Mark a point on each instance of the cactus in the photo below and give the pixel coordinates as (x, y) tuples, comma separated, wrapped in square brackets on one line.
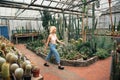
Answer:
[(13, 67), (19, 73), (8, 56), (5, 71), (2, 54), (25, 63), (28, 69), (3, 45), (13, 59), (2, 60)]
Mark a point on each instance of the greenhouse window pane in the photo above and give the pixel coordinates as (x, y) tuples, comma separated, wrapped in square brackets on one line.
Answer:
[(38, 2), (46, 3), (60, 5), (53, 4), (65, 6)]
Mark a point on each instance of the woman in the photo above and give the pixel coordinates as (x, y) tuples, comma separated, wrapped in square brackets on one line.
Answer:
[(52, 41)]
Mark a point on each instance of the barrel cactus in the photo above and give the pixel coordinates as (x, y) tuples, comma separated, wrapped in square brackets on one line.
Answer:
[(28, 69), (8, 56), (13, 58), (19, 73), (13, 67), (3, 45), (25, 63)]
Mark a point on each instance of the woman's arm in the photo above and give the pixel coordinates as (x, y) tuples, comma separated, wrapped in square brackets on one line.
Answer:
[(60, 41)]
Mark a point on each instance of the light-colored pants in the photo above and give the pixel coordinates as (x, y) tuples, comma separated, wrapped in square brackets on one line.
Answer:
[(53, 51)]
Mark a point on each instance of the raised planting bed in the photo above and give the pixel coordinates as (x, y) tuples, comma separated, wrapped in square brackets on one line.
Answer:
[(76, 63)]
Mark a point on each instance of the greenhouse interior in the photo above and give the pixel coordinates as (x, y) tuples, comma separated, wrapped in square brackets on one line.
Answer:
[(59, 39)]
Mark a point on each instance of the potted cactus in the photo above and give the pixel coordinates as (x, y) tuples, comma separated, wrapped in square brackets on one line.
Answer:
[(19, 73), (13, 67), (27, 75)]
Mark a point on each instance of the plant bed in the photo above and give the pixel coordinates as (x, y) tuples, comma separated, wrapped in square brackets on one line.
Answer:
[(65, 62), (75, 63), (78, 53)]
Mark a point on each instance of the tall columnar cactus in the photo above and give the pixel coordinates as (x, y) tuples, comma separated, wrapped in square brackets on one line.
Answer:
[(114, 25), (110, 8), (2, 60), (5, 71)]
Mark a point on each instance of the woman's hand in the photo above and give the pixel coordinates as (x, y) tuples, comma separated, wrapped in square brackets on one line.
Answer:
[(45, 51), (45, 48), (63, 43)]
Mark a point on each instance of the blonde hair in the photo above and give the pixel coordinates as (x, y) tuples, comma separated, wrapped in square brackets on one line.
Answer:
[(52, 28)]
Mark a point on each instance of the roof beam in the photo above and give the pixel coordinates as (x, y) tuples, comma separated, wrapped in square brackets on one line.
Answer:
[(83, 4), (19, 18), (25, 8), (36, 9), (11, 3)]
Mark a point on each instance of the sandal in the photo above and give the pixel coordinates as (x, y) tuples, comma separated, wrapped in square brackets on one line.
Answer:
[(45, 64), (60, 67)]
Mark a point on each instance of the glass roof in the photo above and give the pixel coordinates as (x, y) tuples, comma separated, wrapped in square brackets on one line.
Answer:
[(32, 8)]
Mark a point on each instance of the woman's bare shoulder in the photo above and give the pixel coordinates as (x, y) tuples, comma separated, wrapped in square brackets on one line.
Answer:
[(49, 35)]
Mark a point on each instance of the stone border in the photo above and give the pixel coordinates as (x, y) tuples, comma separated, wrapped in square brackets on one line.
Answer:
[(76, 63)]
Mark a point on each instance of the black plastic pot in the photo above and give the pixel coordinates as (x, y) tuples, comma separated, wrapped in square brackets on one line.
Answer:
[(27, 77)]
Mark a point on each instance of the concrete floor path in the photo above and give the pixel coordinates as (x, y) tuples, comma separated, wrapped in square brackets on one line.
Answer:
[(100, 70)]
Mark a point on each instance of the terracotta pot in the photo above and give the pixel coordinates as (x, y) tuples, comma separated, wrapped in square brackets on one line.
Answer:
[(36, 73)]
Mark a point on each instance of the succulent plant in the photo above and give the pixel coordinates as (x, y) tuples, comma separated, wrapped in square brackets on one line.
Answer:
[(28, 69), (13, 67), (3, 45), (8, 56), (26, 62), (19, 73), (13, 59), (5, 71), (2, 60), (2, 54)]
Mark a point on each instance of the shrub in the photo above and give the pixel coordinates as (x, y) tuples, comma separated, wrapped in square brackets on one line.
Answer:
[(102, 53)]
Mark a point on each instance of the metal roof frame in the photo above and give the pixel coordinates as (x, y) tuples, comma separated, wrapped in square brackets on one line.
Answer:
[(67, 6)]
